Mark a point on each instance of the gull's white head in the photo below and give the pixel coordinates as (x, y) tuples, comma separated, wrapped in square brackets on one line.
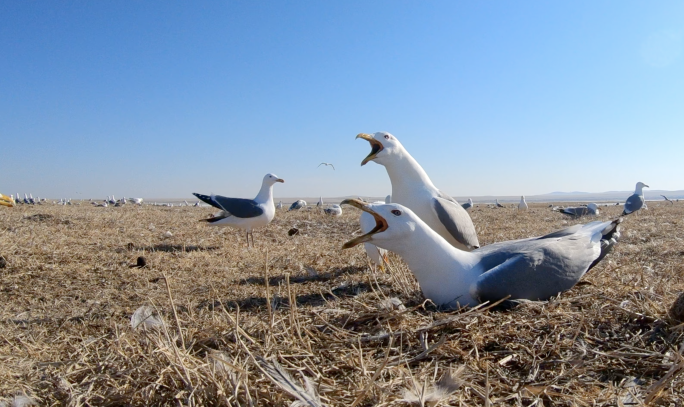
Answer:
[(393, 222), (640, 185), (270, 179), (592, 206), (383, 146)]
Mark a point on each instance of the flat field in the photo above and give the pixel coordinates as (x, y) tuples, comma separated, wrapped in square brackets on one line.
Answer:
[(325, 317)]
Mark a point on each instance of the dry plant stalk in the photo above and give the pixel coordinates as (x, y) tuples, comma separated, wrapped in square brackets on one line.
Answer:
[(67, 297)]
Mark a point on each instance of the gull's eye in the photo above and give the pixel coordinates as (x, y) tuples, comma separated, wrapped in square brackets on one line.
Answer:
[(387, 136), (396, 212)]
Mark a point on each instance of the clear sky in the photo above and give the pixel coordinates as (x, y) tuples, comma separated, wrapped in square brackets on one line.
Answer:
[(161, 99)]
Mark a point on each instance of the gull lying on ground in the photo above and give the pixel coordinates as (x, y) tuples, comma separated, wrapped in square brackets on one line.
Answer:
[(245, 214), (532, 269), (412, 187), (590, 209), (334, 210), (636, 200), (296, 205)]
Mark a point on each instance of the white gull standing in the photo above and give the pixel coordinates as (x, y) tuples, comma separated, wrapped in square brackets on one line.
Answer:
[(522, 206), (468, 204), (532, 269), (412, 187), (636, 200), (245, 214)]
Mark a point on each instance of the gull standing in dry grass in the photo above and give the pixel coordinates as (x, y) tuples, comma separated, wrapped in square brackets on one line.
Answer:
[(522, 206), (468, 204), (636, 200), (412, 187), (243, 213), (532, 269), (498, 205)]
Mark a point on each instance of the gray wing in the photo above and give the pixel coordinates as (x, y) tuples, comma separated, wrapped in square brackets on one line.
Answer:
[(633, 204), (456, 221), (238, 207), (537, 273), (538, 268)]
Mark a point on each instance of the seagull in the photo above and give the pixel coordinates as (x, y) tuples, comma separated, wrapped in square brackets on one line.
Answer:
[(468, 204), (137, 201), (280, 205), (320, 202), (522, 206), (242, 213), (412, 187), (590, 209), (326, 164), (296, 205), (668, 200), (334, 210), (498, 205), (636, 200), (531, 269), (376, 254)]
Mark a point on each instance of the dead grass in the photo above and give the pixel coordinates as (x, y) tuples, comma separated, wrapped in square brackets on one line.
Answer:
[(67, 296)]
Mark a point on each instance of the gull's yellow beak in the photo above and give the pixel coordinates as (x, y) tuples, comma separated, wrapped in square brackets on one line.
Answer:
[(6, 201), (376, 147), (280, 180), (380, 223)]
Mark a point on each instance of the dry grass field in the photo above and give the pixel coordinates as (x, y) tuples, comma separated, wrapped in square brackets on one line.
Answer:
[(233, 319)]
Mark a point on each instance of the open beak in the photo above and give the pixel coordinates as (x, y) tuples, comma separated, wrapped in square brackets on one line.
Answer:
[(380, 223), (376, 147), (280, 180), (6, 200)]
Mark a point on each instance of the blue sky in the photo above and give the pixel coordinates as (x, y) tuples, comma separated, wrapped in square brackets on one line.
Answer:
[(161, 99)]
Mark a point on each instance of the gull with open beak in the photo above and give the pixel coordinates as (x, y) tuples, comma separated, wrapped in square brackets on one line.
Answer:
[(6, 200), (533, 269), (412, 188), (246, 214)]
